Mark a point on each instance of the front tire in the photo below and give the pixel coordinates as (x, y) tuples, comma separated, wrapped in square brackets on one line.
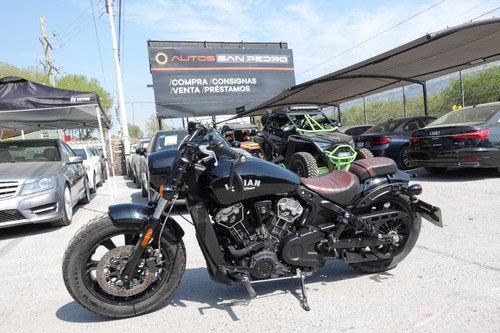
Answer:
[(67, 210), (91, 270), (304, 165), (363, 153), (405, 232)]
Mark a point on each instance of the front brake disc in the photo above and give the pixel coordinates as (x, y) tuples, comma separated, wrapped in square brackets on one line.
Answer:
[(109, 271)]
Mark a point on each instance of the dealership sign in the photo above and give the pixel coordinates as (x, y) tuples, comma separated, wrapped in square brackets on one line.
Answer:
[(204, 78)]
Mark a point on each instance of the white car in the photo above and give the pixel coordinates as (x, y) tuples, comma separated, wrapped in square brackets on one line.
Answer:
[(93, 167)]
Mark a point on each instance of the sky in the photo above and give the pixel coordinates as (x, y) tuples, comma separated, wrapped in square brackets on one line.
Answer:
[(325, 35)]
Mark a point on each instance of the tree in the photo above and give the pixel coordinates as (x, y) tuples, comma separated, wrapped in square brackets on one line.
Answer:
[(135, 131), (151, 125)]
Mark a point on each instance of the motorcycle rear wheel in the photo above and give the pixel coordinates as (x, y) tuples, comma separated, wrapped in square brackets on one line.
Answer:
[(406, 232), (91, 270)]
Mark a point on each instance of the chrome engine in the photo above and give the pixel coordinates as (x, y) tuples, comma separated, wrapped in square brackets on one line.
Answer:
[(252, 234)]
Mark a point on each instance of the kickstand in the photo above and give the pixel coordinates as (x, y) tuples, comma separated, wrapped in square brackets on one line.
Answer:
[(305, 305)]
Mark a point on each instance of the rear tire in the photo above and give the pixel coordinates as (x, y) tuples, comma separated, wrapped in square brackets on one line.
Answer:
[(92, 276), (405, 232), (86, 195), (403, 161), (144, 189), (304, 165)]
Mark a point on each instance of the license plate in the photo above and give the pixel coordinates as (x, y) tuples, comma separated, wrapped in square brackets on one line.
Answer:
[(345, 154), (360, 144)]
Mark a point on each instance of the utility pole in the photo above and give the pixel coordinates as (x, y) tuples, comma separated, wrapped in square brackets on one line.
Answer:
[(121, 99), (46, 50)]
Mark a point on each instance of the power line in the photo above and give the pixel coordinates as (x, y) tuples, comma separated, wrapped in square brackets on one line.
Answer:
[(369, 39), (98, 46)]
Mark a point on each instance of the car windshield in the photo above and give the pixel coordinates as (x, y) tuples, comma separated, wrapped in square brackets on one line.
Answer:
[(28, 151), (80, 152), (469, 115), (387, 127)]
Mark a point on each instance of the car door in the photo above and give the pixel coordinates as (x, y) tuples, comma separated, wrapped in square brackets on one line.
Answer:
[(75, 172)]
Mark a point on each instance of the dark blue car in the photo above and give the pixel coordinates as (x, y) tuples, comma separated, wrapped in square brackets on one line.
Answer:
[(392, 138)]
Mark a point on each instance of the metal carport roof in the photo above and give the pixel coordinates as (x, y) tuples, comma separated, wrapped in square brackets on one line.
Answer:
[(428, 57)]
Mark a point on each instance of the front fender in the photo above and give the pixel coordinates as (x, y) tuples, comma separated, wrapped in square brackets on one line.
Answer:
[(136, 216)]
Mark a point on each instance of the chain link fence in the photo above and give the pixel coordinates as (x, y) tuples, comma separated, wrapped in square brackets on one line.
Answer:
[(476, 85)]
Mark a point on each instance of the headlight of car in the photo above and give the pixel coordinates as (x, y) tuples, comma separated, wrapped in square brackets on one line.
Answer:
[(39, 185), (323, 145)]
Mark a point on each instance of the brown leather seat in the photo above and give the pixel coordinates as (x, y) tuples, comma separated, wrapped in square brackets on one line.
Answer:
[(339, 186), (372, 167)]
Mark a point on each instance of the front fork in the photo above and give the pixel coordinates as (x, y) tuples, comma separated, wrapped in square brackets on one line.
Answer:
[(145, 237)]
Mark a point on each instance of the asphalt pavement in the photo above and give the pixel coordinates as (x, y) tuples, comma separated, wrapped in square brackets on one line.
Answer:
[(450, 282)]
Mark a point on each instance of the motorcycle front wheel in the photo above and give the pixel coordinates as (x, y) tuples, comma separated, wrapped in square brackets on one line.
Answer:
[(93, 262)]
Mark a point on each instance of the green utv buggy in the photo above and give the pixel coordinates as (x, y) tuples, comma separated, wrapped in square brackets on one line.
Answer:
[(306, 141)]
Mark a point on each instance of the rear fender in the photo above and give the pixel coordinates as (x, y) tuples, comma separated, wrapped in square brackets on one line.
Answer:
[(136, 216)]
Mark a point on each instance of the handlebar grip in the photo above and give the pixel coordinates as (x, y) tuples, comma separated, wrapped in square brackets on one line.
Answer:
[(222, 149)]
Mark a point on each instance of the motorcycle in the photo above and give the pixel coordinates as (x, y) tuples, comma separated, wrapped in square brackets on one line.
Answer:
[(254, 220)]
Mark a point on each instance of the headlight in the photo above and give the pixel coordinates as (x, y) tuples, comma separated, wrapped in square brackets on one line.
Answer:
[(323, 145), (39, 185)]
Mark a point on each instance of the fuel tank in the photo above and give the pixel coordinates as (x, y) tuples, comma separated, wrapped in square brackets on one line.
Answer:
[(259, 177)]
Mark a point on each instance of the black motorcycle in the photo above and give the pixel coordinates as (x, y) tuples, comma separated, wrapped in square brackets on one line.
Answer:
[(254, 221)]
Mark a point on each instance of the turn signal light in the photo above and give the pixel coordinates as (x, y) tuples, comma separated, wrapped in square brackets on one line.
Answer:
[(415, 189)]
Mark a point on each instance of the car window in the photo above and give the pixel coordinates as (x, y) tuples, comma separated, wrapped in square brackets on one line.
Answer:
[(470, 115), (28, 151), (80, 152), (386, 127), (413, 125), (168, 140), (67, 152), (143, 144)]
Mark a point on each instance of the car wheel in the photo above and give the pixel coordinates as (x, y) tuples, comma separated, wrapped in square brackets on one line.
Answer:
[(93, 189), (363, 153), (67, 210), (403, 161), (86, 192), (304, 165), (144, 190), (436, 170), (100, 182), (138, 182)]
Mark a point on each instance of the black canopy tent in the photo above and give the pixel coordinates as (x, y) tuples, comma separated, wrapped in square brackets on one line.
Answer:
[(27, 105), (425, 58)]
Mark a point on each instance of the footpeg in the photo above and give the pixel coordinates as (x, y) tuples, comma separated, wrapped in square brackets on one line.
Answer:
[(246, 282)]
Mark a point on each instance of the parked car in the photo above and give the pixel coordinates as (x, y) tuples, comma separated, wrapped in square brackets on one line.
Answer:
[(392, 138), (306, 141), (92, 166), (40, 182), (354, 130), (135, 162), (99, 156), (128, 161), (468, 137), (161, 140)]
